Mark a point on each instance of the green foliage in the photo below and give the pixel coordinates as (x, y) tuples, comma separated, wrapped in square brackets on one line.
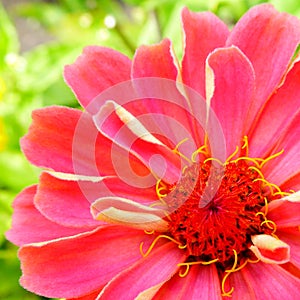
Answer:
[(9, 40), (33, 78), (290, 6)]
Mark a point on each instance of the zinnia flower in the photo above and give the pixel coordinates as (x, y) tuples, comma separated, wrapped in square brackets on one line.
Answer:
[(152, 192)]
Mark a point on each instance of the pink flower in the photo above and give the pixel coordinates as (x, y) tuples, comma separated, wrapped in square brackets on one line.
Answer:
[(151, 194)]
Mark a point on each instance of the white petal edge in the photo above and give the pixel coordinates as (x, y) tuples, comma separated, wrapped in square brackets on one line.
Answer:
[(134, 125), (150, 293), (76, 177)]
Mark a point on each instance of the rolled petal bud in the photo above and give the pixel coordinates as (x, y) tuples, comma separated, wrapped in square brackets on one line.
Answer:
[(269, 249)]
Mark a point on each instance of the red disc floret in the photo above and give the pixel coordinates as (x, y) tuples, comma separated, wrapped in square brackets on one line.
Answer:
[(229, 218)]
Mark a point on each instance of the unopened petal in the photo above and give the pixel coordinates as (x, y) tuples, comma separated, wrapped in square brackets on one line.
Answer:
[(142, 221), (269, 249), (117, 210)]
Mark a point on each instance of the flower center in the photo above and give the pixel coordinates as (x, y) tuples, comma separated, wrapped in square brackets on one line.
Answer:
[(229, 218), (214, 213)]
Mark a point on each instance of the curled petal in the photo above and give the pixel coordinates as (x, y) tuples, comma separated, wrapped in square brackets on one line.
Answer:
[(128, 132), (123, 204), (269, 249), (291, 236), (126, 212), (132, 219)]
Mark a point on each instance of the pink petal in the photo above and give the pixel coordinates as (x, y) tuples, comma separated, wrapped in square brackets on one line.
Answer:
[(269, 249), (242, 287), (29, 226), (267, 38), (116, 210), (123, 204), (201, 282), (292, 238), (149, 293), (271, 282), (155, 61), (286, 165), (277, 115), (48, 142), (165, 104), (64, 202), (203, 32), (285, 212), (138, 220), (128, 132), (230, 88), (97, 69), (82, 264), (55, 140), (68, 201), (122, 211), (146, 273), (292, 183), (90, 296)]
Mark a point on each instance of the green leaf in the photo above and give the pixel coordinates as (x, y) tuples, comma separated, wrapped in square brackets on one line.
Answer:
[(8, 37), (10, 274), (16, 172), (6, 199), (44, 66), (290, 6), (46, 14)]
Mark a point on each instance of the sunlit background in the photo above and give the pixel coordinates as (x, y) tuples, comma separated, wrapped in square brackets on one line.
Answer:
[(37, 38)]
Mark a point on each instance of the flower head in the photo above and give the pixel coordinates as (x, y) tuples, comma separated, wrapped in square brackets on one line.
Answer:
[(179, 179)]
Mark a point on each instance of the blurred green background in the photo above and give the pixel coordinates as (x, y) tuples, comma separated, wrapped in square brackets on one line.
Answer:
[(37, 38)]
